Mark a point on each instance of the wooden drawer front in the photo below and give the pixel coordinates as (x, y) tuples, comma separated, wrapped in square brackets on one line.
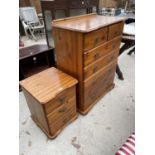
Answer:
[(100, 64), (100, 51), (115, 30), (60, 99), (98, 84), (62, 115), (95, 38)]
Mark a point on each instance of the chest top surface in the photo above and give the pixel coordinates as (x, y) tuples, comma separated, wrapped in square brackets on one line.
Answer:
[(45, 85), (86, 23)]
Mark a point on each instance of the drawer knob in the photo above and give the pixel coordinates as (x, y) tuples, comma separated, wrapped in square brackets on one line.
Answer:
[(94, 69), (116, 32), (113, 45), (96, 56), (62, 110), (96, 41), (62, 100)]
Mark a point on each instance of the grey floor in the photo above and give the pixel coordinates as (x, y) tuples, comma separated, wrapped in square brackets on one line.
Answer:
[(101, 132)]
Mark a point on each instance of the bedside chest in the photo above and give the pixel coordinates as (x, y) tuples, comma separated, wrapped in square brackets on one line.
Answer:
[(87, 48), (51, 98)]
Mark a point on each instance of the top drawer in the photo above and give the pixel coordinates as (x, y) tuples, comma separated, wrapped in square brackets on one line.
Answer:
[(95, 38), (115, 30), (60, 99), (103, 50)]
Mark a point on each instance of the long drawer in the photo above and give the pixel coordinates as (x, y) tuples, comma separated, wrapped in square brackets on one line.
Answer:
[(100, 64), (60, 99), (98, 84), (102, 50), (62, 115), (115, 30), (95, 38)]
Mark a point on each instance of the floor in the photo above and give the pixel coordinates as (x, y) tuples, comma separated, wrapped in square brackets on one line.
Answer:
[(101, 132)]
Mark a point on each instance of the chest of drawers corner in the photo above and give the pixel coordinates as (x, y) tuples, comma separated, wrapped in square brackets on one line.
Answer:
[(87, 48)]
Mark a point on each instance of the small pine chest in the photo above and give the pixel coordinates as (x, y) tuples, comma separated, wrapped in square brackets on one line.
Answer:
[(51, 98)]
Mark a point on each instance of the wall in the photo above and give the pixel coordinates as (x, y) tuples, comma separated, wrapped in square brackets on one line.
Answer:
[(35, 3), (24, 3)]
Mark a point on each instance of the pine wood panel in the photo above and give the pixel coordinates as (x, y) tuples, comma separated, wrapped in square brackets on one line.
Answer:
[(37, 111), (68, 49), (62, 115), (100, 64), (96, 85), (115, 30), (45, 85), (51, 98), (100, 51), (78, 55), (86, 23), (60, 99), (95, 38)]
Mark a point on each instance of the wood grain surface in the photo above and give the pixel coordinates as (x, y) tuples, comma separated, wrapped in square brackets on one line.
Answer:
[(85, 46), (45, 85), (86, 23)]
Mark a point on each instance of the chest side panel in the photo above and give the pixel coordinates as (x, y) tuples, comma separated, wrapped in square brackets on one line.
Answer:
[(69, 52)]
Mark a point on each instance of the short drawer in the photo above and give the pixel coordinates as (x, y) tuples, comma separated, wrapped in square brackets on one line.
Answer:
[(62, 115), (103, 50), (97, 85), (100, 64), (115, 30), (60, 99), (95, 38)]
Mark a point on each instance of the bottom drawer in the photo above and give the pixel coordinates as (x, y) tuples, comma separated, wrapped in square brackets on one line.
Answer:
[(96, 86), (62, 115)]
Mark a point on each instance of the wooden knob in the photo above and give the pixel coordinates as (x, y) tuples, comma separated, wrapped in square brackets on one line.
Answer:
[(62, 110), (94, 69), (116, 32), (96, 56), (62, 100), (96, 41), (113, 45)]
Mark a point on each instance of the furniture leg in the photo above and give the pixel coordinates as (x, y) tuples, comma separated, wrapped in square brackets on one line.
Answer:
[(127, 44), (21, 72), (119, 73), (131, 51)]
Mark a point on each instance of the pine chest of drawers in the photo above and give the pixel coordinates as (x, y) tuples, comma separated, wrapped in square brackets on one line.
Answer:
[(87, 48), (51, 98)]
